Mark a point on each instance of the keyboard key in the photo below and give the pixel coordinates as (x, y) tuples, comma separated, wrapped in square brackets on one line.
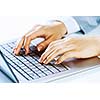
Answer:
[(47, 72), (54, 70)]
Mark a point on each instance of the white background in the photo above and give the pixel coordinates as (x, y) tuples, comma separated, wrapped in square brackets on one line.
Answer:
[(16, 26), (70, 91)]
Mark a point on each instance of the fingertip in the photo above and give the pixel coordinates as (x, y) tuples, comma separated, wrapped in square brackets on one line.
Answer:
[(57, 62), (26, 51), (40, 60), (14, 50), (18, 51), (40, 48)]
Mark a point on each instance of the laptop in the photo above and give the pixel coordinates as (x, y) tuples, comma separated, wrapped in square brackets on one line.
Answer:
[(27, 69)]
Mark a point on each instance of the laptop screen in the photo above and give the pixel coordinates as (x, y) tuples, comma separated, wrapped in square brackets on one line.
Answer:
[(5, 68)]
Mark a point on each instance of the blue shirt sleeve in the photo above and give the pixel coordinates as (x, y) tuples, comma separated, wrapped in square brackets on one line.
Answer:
[(87, 23)]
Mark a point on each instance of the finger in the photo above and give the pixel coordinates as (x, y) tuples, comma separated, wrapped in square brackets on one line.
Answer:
[(51, 53), (20, 43), (42, 46), (65, 56), (47, 52), (19, 46), (51, 57), (44, 55), (27, 43), (31, 37), (56, 53)]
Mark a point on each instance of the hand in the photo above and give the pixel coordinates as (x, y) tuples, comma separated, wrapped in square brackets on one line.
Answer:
[(51, 32), (72, 46)]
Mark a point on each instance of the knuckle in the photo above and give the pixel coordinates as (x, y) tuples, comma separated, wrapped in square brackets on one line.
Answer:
[(58, 50), (18, 46), (37, 25), (23, 37), (43, 55), (52, 45), (60, 59), (53, 42), (49, 57), (28, 37), (44, 44), (72, 39), (63, 56)]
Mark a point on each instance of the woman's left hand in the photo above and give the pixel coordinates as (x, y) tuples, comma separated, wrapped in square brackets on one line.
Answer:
[(72, 46)]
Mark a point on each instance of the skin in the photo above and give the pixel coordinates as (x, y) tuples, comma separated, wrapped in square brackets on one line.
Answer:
[(77, 46), (54, 31), (72, 47)]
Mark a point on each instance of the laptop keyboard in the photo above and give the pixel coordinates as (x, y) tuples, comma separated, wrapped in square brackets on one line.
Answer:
[(29, 66)]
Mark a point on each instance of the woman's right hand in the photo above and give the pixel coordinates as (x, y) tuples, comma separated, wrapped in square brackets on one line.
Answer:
[(51, 32)]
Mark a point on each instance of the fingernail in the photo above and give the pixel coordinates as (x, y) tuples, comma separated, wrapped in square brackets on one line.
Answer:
[(26, 53), (45, 62), (40, 60), (15, 51), (39, 48), (56, 63)]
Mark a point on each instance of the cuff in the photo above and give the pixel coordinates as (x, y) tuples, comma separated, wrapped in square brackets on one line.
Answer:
[(70, 23)]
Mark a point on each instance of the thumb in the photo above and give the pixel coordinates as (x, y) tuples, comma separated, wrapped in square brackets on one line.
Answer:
[(41, 46)]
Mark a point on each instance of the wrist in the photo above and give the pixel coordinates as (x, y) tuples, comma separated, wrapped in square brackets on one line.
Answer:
[(60, 25)]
